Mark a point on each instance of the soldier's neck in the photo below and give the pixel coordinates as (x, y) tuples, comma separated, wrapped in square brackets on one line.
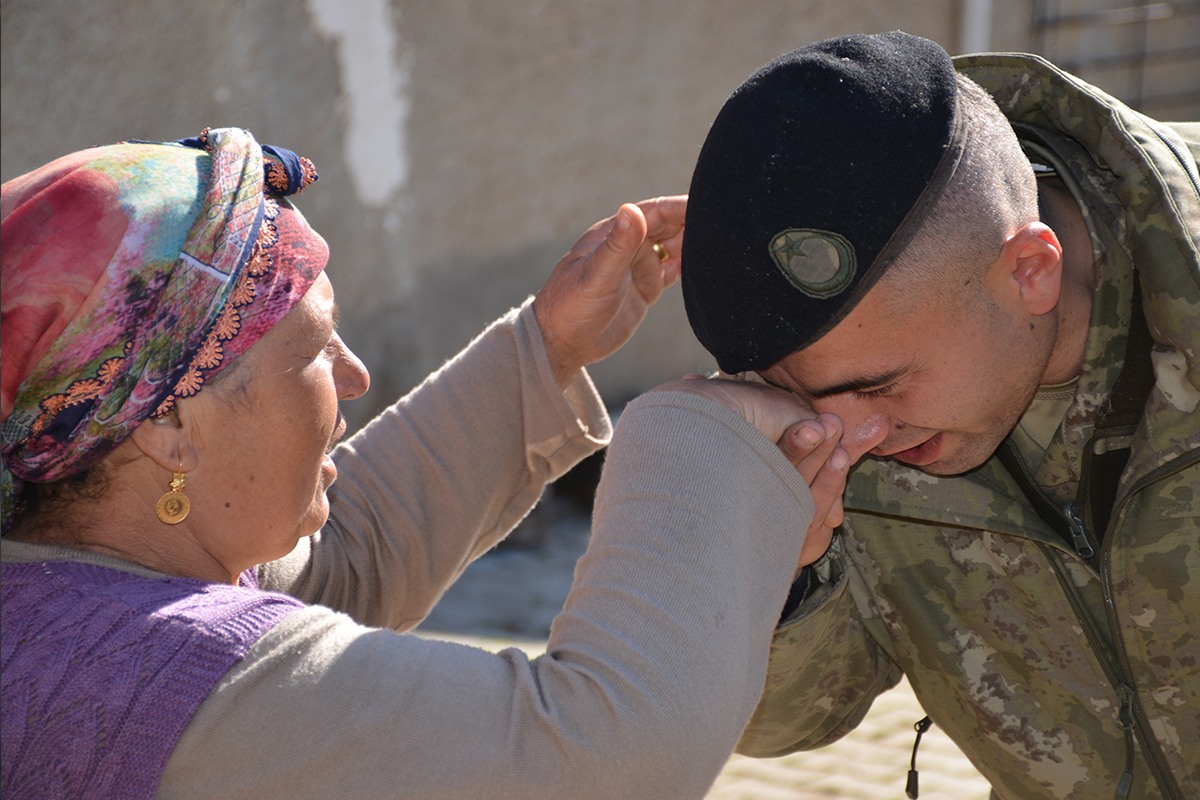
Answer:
[(1080, 275)]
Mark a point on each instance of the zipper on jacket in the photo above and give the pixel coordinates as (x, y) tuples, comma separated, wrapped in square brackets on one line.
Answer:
[(1079, 536), (1065, 521), (1189, 168), (1112, 671), (1154, 754), (1131, 717), (1126, 723), (1115, 671)]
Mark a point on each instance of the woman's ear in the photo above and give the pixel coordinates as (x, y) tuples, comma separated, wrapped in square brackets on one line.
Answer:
[(1030, 268), (165, 442)]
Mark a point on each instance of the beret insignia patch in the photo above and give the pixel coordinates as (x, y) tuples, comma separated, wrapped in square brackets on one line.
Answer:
[(819, 263)]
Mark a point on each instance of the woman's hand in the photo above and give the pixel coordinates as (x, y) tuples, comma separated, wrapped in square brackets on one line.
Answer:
[(600, 291), (809, 440)]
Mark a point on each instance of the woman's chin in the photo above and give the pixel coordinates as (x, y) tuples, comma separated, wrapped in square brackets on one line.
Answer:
[(319, 513)]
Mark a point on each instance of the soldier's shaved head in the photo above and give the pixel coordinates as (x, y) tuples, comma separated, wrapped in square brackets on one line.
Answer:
[(992, 194)]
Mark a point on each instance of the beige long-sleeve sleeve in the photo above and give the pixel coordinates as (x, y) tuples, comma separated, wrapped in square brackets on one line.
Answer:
[(652, 669), (441, 476)]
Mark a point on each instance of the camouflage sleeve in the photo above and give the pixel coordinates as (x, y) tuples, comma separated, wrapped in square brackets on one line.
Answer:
[(825, 667)]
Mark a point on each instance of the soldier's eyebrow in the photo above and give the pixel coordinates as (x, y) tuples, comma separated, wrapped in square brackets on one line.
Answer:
[(859, 384)]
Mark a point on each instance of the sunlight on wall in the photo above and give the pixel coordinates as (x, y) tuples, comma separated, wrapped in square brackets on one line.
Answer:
[(373, 84)]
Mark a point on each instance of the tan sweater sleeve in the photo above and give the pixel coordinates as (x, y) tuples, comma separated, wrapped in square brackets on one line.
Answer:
[(441, 476), (651, 671)]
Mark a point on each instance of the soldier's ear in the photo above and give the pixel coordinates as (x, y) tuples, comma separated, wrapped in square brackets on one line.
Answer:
[(1028, 272)]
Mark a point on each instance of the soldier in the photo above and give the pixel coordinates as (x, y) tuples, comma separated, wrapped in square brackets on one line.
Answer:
[(989, 270)]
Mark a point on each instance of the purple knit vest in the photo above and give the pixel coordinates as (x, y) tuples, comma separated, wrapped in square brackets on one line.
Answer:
[(102, 670)]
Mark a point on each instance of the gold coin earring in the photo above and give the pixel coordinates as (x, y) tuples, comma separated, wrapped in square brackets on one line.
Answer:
[(173, 506)]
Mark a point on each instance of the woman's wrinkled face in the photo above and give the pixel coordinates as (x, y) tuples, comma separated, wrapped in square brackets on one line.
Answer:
[(263, 436)]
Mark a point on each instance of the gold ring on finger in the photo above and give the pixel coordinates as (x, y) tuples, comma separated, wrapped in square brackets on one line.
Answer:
[(660, 250)]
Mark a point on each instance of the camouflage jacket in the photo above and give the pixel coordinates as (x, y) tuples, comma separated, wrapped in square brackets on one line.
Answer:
[(1048, 668)]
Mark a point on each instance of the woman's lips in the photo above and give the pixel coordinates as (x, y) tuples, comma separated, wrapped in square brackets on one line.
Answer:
[(339, 429), (327, 461), (923, 454)]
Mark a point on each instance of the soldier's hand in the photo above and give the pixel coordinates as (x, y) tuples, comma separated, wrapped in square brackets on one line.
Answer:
[(814, 447)]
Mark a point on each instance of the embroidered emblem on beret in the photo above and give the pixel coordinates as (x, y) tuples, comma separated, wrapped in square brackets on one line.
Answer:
[(818, 263)]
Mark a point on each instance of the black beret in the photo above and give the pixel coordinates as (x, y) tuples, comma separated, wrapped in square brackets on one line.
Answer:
[(813, 178)]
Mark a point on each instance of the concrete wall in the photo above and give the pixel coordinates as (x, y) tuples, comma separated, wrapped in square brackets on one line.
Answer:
[(462, 144), (1147, 54)]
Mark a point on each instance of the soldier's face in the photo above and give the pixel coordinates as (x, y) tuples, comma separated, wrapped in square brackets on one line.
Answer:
[(935, 390)]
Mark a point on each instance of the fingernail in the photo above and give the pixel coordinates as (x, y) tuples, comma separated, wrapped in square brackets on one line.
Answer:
[(807, 437), (623, 220), (839, 460)]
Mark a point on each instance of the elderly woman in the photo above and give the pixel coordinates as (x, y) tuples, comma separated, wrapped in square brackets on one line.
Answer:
[(193, 609)]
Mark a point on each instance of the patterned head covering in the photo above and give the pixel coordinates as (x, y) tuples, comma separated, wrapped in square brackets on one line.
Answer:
[(131, 273)]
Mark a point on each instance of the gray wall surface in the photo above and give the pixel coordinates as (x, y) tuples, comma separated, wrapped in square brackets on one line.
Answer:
[(462, 144)]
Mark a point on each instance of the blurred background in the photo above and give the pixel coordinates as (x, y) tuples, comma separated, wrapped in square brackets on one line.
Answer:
[(464, 144)]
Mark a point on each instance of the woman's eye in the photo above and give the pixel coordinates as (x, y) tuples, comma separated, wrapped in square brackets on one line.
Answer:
[(328, 351)]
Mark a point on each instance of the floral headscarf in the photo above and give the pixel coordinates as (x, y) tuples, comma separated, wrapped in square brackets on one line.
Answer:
[(128, 275)]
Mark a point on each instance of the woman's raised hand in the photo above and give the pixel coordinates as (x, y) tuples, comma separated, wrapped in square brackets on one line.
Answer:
[(601, 289)]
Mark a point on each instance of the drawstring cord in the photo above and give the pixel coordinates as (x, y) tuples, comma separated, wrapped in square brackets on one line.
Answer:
[(910, 788), (1124, 722)]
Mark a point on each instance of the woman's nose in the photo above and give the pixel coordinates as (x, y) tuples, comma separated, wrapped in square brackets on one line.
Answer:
[(351, 375)]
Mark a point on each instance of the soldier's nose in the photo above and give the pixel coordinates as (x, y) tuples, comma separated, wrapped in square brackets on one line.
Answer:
[(863, 435)]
